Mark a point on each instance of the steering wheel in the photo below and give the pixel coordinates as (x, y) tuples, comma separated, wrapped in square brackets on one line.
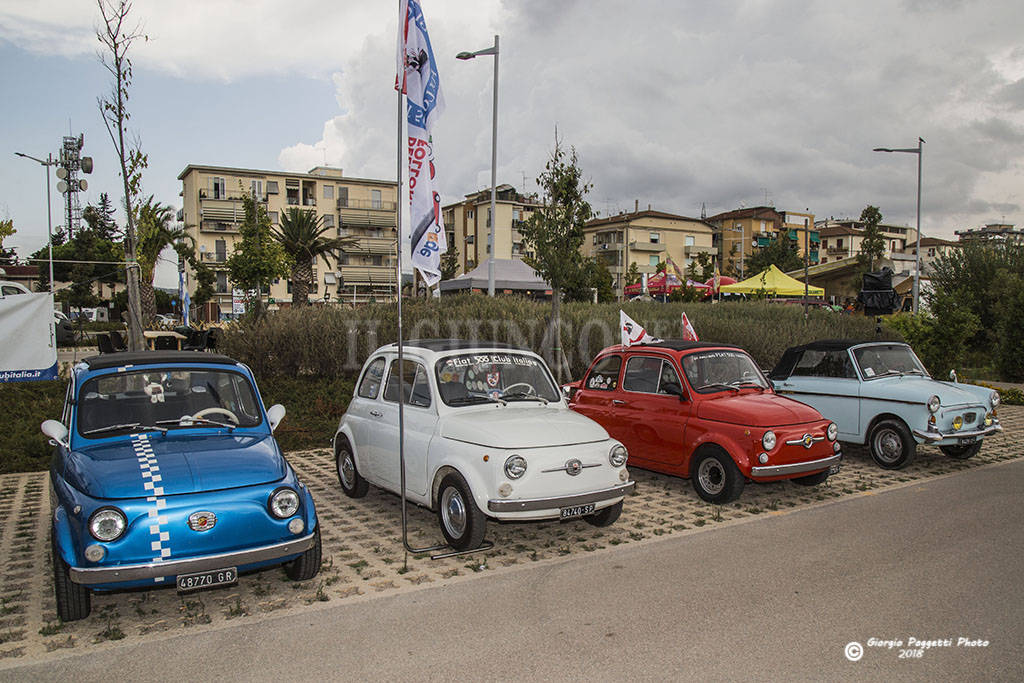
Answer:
[(532, 391), (216, 409)]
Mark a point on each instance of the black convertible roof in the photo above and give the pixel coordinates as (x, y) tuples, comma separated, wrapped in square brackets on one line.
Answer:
[(791, 356), (116, 360), (456, 344)]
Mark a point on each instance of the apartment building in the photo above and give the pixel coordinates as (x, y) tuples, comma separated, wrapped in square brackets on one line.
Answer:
[(645, 238), (741, 232), (352, 207), (993, 232), (841, 239), (468, 225)]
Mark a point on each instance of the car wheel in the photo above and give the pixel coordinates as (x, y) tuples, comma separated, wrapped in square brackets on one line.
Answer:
[(352, 483), (74, 601), (462, 523), (605, 516), (812, 479), (961, 452), (307, 565), (716, 478), (892, 446)]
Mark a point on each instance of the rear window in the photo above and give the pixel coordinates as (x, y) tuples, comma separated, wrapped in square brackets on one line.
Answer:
[(605, 374)]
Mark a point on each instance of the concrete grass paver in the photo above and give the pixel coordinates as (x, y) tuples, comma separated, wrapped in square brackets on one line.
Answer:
[(363, 554)]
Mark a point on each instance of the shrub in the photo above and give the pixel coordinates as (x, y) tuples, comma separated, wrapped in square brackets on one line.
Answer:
[(23, 448)]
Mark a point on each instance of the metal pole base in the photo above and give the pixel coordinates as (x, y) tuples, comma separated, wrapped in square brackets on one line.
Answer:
[(484, 545)]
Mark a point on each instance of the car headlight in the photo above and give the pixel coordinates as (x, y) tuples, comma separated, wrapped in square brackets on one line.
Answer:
[(107, 524), (933, 404), (958, 422), (617, 455), (995, 399), (284, 502), (515, 466), (832, 432), (768, 440)]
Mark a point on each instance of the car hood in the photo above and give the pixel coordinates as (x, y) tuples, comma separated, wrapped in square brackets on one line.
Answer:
[(187, 464), (522, 427), (757, 410), (916, 389)]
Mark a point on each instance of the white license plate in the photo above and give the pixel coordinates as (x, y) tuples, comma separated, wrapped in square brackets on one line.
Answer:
[(833, 469), (967, 441), (576, 511), (199, 580)]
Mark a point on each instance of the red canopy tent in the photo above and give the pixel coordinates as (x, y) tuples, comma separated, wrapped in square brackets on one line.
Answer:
[(662, 283), (722, 280)]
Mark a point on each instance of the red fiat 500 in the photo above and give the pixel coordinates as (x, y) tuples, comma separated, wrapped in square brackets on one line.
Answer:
[(705, 411)]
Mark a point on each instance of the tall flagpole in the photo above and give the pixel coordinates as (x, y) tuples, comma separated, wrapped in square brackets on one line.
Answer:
[(398, 288)]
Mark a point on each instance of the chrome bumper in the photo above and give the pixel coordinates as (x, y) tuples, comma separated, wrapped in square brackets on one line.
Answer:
[(939, 436), (529, 504), (151, 570), (796, 467)]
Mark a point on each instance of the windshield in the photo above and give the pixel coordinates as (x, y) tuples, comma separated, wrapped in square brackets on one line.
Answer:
[(712, 371), (127, 402), (473, 378), (880, 360)]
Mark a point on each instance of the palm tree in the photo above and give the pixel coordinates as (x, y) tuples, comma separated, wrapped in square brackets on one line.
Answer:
[(154, 233), (302, 236)]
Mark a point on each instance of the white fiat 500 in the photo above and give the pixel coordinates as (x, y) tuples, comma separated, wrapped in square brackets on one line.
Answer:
[(487, 434)]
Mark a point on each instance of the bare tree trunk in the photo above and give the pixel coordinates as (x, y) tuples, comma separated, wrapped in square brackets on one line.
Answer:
[(302, 273), (147, 301)]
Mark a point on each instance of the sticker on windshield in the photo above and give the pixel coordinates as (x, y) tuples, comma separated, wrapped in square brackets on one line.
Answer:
[(493, 379), (869, 372)]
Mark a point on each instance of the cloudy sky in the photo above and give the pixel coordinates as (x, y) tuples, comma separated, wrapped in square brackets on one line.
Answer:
[(673, 104)]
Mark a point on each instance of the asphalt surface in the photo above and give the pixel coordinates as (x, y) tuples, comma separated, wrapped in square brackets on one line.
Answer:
[(777, 596)]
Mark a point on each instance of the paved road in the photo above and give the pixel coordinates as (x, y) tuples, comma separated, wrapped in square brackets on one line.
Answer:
[(778, 597)]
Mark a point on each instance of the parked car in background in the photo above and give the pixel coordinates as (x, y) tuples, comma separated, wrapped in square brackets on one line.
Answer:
[(487, 435), (704, 412), (881, 395), (166, 472)]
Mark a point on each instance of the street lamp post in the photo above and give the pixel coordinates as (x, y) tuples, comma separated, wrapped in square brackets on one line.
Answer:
[(919, 151), (494, 158), (50, 161)]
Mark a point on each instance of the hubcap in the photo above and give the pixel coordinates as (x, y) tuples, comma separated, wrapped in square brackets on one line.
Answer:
[(711, 476), (453, 512), (888, 445), (346, 469)]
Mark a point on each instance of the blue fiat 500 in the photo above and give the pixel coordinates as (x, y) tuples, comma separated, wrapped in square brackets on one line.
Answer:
[(165, 471), (880, 394)]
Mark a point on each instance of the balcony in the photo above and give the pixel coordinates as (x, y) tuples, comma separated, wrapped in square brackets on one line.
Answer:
[(367, 275), (366, 204), (837, 250), (652, 247), (214, 257), (368, 218), (371, 245), (694, 249)]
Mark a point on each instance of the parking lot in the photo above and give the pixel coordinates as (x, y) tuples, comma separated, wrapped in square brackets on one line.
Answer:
[(363, 555)]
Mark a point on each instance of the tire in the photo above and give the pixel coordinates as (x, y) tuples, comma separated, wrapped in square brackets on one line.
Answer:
[(307, 565), (605, 516), (462, 522), (352, 483), (74, 601), (892, 447), (961, 452), (812, 479), (715, 477)]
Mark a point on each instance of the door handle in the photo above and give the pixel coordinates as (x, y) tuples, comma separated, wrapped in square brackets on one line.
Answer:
[(376, 413), (617, 402)]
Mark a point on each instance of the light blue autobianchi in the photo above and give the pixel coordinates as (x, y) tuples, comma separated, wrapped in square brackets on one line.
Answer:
[(880, 394), (166, 472)]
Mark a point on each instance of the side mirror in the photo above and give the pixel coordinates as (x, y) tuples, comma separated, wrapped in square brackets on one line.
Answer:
[(56, 431), (952, 376), (274, 415), (568, 391)]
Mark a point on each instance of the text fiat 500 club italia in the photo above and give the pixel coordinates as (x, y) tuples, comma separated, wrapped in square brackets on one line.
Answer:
[(706, 412), (165, 472), (486, 435)]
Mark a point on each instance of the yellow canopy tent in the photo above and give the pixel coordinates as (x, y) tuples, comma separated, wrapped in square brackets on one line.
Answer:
[(773, 282)]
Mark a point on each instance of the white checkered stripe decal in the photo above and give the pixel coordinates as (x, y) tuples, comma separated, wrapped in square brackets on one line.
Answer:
[(151, 479)]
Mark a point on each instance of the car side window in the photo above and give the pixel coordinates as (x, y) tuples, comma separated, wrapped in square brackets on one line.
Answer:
[(369, 387), (668, 376), (642, 374), (825, 364), (415, 386), (605, 374)]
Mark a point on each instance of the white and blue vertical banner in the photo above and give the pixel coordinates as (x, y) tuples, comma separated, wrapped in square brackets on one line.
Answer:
[(183, 297), (418, 79), (28, 347)]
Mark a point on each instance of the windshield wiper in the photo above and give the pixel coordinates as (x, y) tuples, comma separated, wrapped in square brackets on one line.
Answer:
[(718, 384), (748, 384), (523, 396), (467, 400), (134, 426), (190, 421)]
